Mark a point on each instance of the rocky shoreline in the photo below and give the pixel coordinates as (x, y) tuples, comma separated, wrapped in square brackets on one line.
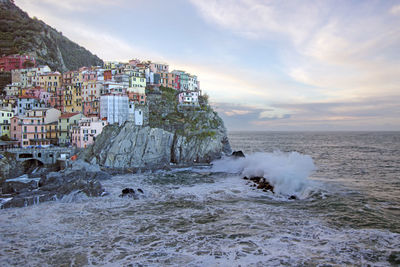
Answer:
[(30, 189)]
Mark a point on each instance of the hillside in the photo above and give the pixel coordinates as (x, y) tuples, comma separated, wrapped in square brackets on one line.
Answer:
[(24, 35)]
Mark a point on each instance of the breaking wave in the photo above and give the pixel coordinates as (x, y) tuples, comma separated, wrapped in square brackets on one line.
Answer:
[(287, 172)]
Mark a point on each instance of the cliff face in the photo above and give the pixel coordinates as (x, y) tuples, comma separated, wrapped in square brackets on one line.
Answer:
[(195, 135), (21, 34)]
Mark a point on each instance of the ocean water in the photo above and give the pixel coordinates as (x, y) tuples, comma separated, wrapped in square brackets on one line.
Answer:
[(347, 211)]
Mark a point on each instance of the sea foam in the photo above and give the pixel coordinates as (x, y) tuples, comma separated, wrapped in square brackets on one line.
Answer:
[(287, 172)]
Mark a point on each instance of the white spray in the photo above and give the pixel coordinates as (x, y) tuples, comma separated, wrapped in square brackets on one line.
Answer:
[(287, 172)]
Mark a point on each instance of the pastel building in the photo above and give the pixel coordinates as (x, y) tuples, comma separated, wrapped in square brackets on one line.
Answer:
[(186, 81), (65, 123), (137, 95), (50, 81), (57, 99), (85, 133), (114, 108), (189, 98), (159, 67), (45, 97), (34, 126), (16, 129), (5, 122), (91, 108), (91, 90), (12, 89), (138, 80), (25, 103)]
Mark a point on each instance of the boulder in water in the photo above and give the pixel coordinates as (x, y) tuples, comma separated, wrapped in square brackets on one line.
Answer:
[(261, 183), (238, 154), (128, 192)]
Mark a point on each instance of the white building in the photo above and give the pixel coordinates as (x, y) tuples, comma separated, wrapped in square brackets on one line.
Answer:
[(189, 98), (12, 89), (138, 117), (114, 108)]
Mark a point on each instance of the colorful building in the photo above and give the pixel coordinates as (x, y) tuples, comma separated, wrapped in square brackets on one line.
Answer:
[(189, 98), (90, 108), (34, 126), (50, 81), (91, 90), (137, 80), (65, 123), (12, 62), (25, 103), (5, 122), (12, 89), (137, 95), (16, 129), (159, 67), (85, 133)]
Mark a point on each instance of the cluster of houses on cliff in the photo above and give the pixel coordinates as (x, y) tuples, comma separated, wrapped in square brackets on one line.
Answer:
[(41, 107)]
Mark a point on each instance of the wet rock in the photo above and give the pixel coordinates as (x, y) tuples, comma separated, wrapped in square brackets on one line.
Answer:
[(293, 197), (264, 184), (256, 179), (19, 185), (260, 183), (394, 258), (81, 177), (238, 154), (128, 192)]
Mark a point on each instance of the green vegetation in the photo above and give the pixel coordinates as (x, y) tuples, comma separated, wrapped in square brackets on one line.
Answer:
[(200, 122)]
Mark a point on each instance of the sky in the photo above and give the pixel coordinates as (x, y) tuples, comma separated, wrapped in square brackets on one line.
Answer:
[(281, 65)]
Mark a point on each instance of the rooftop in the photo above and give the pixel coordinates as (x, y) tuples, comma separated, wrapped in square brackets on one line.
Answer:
[(68, 115)]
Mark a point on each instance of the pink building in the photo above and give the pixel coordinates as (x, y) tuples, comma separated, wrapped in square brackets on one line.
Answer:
[(89, 75), (16, 129), (90, 108), (34, 92), (34, 126), (86, 132), (56, 100)]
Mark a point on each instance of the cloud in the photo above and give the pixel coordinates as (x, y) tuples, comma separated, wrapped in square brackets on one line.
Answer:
[(395, 10), (256, 19), (73, 5)]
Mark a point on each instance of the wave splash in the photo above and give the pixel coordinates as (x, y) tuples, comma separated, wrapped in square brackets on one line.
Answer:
[(287, 172)]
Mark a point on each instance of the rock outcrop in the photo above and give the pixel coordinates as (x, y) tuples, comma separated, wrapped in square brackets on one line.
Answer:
[(178, 135), (134, 147)]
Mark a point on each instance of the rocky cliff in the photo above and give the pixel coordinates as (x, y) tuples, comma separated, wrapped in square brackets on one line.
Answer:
[(20, 34), (179, 136)]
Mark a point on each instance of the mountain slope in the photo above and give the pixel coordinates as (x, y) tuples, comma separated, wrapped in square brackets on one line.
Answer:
[(21, 34)]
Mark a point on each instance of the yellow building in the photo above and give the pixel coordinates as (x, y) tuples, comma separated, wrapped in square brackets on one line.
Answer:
[(50, 81), (77, 82), (5, 122), (137, 80), (68, 98), (52, 132)]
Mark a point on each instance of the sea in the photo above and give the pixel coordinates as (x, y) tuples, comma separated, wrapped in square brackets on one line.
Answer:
[(346, 211)]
